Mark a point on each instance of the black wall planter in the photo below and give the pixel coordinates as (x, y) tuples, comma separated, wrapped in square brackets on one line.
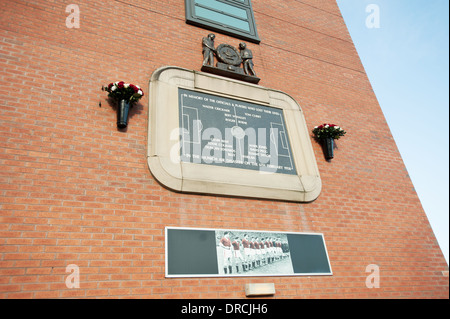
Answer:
[(328, 146), (123, 108)]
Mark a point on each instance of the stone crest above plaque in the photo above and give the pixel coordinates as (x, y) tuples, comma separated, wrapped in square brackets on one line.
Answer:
[(229, 60), (215, 135)]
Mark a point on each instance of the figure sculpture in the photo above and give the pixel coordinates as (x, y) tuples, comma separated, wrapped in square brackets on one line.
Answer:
[(208, 49), (247, 58)]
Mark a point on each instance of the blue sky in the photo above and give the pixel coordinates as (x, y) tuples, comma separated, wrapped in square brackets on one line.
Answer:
[(406, 58)]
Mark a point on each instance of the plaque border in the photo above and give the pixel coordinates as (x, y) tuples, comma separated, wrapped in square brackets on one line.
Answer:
[(163, 151)]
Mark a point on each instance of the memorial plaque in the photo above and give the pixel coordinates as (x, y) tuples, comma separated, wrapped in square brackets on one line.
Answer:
[(195, 252), (221, 131), (210, 134)]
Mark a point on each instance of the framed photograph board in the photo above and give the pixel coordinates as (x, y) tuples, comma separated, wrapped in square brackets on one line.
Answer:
[(199, 252)]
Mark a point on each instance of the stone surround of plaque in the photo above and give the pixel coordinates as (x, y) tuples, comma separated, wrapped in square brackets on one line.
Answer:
[(216, 135)]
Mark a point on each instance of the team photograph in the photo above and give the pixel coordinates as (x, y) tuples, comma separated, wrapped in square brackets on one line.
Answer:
[(247, 253)]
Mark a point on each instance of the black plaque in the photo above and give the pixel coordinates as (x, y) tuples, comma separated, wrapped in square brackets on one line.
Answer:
[(187, 247), (221, 131)]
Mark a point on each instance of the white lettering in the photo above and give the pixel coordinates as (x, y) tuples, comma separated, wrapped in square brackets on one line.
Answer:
[(209, 310), (73, 280), (73, 20), (373, 19), (373, 280)]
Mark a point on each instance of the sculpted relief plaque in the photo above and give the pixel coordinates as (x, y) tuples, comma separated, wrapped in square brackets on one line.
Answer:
[(229, 60), (215, 135)]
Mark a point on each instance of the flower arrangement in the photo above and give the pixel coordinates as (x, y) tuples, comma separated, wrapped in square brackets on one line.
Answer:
[(328, 130), (124, 91)]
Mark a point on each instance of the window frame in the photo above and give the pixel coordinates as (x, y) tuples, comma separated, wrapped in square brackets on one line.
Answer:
[(251, 36)]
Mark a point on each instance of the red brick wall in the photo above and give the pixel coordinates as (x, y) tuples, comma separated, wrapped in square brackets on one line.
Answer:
[(75, 190)]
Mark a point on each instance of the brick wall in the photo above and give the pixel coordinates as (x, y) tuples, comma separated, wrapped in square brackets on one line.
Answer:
[(75, 190)]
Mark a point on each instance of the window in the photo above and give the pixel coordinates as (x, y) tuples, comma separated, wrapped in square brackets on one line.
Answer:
[(232, 17)]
